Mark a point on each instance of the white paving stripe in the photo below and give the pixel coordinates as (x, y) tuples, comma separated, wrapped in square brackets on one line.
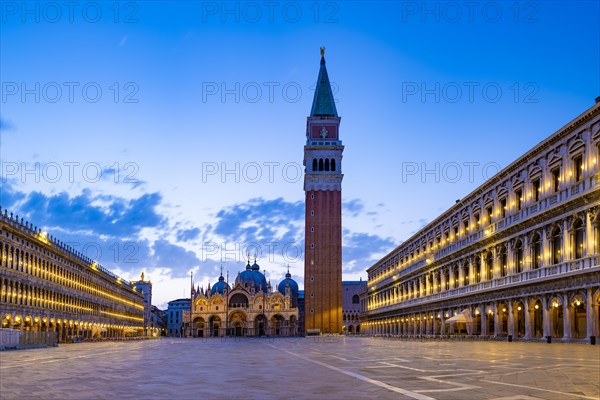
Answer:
[(396, 389)]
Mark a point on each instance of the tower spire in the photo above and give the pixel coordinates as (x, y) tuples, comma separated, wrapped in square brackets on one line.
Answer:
[(323, 101)]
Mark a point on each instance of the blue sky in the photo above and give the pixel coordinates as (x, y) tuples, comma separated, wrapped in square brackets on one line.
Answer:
[(167, 137)]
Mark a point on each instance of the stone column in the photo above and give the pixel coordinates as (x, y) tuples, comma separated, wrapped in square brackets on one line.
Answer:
[(545, 247), (471, 272), (589, 236), (443, 320), (461, 275), (546, 317), (427, 283), (511, 319), (528, 310), (497, 327), (495, 264), (527, 262), (567, 312), (443, 279), (483, 321), (590, 314), (511, 257)]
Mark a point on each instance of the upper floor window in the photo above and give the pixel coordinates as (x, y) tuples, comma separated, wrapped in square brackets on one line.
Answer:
[(519, 199), (503, 207), (578, 165), (556, 179), (536, 189)]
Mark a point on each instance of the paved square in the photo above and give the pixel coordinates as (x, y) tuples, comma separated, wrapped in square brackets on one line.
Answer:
[(316, 368)]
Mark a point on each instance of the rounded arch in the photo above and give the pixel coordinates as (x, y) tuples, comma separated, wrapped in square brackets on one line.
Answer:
[(238, 300), (519, 310), (537, 318)]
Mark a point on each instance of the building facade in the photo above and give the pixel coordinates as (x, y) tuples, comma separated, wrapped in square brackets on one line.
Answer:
[(178, 312), (518, 257), (46, 286), (351, 308), (250, 308), (144, 287), (323, 218)]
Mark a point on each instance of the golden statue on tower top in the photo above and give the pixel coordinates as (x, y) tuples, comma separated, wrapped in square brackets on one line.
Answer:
[(322, 51)]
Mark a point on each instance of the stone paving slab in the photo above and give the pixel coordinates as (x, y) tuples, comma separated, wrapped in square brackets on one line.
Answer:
[(304, 368)]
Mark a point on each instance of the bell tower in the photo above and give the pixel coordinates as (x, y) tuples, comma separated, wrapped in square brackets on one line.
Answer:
[(323, 218)]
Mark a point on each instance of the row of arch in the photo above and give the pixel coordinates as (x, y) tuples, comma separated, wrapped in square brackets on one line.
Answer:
[(238, 324), (554, 244), (566, 316), (351, 329), (327, 164), (67, 328)]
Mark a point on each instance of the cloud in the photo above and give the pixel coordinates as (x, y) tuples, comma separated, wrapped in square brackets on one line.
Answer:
[(353, 207), (259, 219), (187, 235), (120, 218), (360, 250), (6, 126)]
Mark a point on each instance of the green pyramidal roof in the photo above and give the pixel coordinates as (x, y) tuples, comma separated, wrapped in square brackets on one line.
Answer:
[(323, 102)]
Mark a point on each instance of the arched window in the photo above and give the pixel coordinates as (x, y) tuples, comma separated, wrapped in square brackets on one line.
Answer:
[(536, 252), (314, 164), (327, 164), (556, 246), (320, 164), (355, 299), (333, 164), (579, 236), (518, 257), (238, 300)]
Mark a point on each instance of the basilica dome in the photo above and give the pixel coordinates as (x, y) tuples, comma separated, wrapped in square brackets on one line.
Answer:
[(252, 278), (220, 286)]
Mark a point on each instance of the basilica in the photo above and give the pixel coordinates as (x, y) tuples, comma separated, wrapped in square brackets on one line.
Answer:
[(251, 307)]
